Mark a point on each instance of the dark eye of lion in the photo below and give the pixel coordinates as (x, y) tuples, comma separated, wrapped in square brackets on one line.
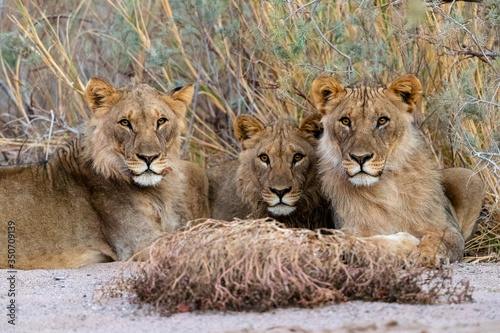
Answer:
[(383, 121), (297, 157), (125, 122), (345, 121), (264, 158), (162, 121)]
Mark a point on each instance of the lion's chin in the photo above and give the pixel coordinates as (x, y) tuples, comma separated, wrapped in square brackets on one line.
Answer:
[(281, 210), (363, 179), (147, 179)]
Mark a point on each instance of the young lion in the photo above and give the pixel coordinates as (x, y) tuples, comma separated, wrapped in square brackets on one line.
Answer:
[(275, 176), (108, 194), (380, 178)]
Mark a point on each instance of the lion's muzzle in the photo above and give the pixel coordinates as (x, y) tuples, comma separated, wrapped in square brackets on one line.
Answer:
[(148, 170), (281, 202), (362, 169)]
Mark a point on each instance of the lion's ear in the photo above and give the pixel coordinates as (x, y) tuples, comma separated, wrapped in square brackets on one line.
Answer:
[(246, 126), (407, 89), (312, 125), (183, 94), (326, 89), (178, 100), (100, 93)]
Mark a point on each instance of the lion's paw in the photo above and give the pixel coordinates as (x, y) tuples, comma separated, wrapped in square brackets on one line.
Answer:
[(427, 257), (407, 242)]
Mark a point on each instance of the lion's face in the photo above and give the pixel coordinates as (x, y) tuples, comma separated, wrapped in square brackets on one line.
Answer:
[(276, 161), (365, 125), (136, 131)]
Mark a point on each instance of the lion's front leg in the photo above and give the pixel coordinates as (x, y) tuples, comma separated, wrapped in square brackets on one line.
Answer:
[(129, 222), (401, 244)]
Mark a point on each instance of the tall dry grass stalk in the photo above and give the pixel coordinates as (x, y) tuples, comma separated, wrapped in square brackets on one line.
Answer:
[(256, 57)]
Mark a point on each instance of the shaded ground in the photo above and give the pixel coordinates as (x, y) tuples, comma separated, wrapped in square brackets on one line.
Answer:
[(64, 301)]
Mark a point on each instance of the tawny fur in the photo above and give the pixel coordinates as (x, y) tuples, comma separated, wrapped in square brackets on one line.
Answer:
[(379, 176), (243, 188), (93, 201)]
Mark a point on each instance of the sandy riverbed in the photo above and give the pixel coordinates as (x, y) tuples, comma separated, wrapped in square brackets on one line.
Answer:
[(64, 301)]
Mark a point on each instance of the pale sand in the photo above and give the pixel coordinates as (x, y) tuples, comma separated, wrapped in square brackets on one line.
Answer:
[(46, 303)]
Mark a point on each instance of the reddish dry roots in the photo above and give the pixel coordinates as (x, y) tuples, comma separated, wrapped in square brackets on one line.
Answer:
[(259, 265)]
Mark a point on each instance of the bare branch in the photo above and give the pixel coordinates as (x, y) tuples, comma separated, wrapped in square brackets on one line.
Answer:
[(472, 36), (480, 55), (450, 1)]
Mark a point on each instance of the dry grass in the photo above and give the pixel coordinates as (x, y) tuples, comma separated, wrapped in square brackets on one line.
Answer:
[(256, 57), (260, 265)]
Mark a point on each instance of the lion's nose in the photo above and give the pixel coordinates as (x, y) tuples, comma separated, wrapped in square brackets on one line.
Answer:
[(361, 159), (280, 193), (148, 158)]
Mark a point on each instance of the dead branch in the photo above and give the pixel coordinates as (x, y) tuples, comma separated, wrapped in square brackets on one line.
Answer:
[(471, 53)]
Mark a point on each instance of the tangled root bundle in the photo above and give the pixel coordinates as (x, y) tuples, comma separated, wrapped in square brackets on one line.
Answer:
[(258, 265)]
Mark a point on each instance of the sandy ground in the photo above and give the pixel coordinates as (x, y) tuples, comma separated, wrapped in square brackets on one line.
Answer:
[(64, 301)]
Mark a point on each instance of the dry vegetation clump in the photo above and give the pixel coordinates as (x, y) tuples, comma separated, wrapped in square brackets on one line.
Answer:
[(259, 265)]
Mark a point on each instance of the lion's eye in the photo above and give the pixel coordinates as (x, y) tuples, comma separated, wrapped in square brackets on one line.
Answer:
[(383, 120), (125, 122), (264, 158), (162, 121), (297, 157), (345, 121)]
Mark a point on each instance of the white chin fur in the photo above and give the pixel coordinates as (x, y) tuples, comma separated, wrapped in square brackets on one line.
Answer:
[(147, 179), (281, 210), (362, 179)]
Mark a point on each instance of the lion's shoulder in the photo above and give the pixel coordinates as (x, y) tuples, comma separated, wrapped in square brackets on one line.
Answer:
[(224, 200), (196, 185)]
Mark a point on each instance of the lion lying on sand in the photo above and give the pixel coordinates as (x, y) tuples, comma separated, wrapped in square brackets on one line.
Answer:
[(110, 193), (380, 178)]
